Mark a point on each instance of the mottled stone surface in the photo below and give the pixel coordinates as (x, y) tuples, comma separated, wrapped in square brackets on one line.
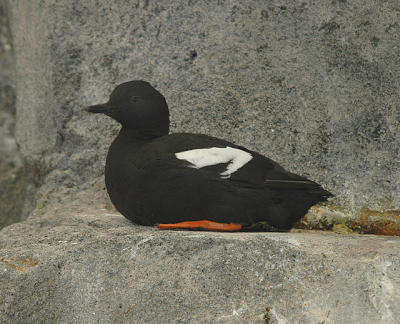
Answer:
[(8, 145), (313, 85), (17, 187), (81, 265)]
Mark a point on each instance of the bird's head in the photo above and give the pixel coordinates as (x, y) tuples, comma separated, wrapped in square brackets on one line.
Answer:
[(137, 105)]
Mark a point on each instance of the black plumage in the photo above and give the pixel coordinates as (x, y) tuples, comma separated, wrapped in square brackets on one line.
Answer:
[(149, 185)]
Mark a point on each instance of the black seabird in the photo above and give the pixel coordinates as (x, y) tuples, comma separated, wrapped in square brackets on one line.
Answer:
[(191, 180)]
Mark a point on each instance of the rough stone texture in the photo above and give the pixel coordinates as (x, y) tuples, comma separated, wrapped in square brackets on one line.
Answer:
[(313, 85), (17, 193), (17, 178), (8, 145), (91, 266)]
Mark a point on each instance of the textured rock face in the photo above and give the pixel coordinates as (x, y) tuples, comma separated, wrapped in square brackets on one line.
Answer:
[(8, 145), (16, 186), (90, 266), (313, 86)]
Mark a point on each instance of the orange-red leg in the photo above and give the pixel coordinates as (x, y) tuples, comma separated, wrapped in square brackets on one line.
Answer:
[(203, 224)]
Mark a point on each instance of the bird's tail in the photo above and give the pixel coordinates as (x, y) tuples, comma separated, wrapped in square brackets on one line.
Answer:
[(307, 185), (293, 199)]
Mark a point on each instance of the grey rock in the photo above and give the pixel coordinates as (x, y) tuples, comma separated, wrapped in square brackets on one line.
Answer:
[(16, 186), (312, 85), (8, 145), (74, 264)]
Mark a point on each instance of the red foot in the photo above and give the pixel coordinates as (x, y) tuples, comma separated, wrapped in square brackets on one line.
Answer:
[(203, 224)]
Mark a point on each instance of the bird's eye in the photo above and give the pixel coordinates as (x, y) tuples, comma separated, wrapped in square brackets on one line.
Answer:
[(133, 99)]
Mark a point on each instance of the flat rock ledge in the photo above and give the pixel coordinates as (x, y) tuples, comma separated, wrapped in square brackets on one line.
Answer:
[(77, 265)]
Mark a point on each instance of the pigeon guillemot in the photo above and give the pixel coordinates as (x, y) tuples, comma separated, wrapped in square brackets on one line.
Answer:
[(193, 181)]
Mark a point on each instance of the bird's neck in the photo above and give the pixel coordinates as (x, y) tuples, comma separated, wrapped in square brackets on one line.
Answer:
[(141, 134)]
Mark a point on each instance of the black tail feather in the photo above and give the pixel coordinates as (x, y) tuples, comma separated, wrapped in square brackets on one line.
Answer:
[(307, 185)]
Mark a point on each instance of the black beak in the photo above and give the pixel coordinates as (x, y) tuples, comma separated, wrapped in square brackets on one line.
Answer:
[(100, 109)]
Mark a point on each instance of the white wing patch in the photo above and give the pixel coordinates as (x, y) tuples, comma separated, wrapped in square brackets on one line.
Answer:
[(200, 158)]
